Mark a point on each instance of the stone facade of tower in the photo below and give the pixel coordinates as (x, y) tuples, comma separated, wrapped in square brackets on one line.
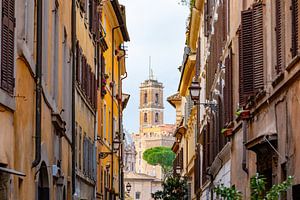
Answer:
[(153, 132), (151, 104)]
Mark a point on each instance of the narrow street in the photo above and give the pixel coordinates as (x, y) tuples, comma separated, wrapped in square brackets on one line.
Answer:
[(149, 100)]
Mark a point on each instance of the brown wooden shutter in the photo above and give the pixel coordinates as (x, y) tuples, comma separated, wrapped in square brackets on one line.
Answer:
[(83, 65), (247, 53), (279, 39), (7, 46), (77, 62), (258, 47), (242, 100), (295, 26), (206, 19), (228, 99)]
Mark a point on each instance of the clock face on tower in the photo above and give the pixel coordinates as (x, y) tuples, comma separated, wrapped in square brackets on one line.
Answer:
[(151, 103)]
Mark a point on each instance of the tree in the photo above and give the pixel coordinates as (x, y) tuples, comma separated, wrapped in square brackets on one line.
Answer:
[(162, 156), (174, 188)]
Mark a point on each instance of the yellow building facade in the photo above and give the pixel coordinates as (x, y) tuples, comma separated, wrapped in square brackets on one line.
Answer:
[(111, 101), (35, 99)]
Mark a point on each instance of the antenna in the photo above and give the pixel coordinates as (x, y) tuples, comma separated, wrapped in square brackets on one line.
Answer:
[(149, 67), (151, 75)]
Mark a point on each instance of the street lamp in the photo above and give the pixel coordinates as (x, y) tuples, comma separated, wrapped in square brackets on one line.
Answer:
[(195, 91), (128, 187), (178, 170), (116, 144)]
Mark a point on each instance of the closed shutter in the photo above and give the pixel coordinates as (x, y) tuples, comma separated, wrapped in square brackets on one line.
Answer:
[(77, 62), (258, 47), (83, 66), (279, 39), (7, 45), (295, 26), (228, 99), (206, 18), (242, 100), (246, 63)]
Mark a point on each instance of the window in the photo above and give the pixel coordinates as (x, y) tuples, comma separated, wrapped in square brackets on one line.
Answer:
[(295, 27), (296, 192), (80, 148), (156, 98), (251, 70), (137, 195), (85, 78), (145, 97), (104, 121), (145, 117), (156, 117), (227, 90), (279, 35), (4, 184), (7, 46), (54, 73)]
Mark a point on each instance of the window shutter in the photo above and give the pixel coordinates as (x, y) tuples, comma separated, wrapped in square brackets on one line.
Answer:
[(7, 45), (295, 27), (278, 30), (206, 19), (247, 54), (242, 100), (77, 62), (258, 47), (83, 66), (228, 101)]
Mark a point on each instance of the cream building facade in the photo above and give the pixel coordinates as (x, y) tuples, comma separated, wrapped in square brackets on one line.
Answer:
[(153, 131)]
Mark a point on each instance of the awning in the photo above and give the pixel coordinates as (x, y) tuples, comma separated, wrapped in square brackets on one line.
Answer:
[(11, 171)]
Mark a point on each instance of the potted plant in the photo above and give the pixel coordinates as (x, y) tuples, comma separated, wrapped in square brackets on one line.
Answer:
[(243, 114), (103, 84), (227, 132)]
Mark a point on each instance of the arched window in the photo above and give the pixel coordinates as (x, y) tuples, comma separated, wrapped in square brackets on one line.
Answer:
[(145, 117), (145, 97), (156, 98), (156, 117)]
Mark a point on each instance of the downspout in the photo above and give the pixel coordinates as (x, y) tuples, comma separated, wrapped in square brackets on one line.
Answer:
[(112, 85), (38, 84), (120, 126), (244, 162), (73, 33)]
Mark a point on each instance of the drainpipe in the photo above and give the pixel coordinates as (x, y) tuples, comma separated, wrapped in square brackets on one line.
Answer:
[(244, 162), (120, 126), (112, 85), (73, 33), (38, 84)]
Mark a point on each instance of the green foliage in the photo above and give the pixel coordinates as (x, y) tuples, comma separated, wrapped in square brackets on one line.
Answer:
[(258, 189), (174, 188), (162, 156), (228, 193)]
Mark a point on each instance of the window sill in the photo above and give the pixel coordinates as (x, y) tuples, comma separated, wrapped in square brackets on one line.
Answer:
[(278, 79), (293, 62), (7, 100)]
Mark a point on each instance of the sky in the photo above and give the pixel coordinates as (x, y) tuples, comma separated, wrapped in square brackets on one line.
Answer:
[(157, 29)]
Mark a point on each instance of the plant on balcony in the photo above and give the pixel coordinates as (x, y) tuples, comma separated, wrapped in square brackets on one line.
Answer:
[(227, 131), (243, 114), (103, 84), (258, 189)]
